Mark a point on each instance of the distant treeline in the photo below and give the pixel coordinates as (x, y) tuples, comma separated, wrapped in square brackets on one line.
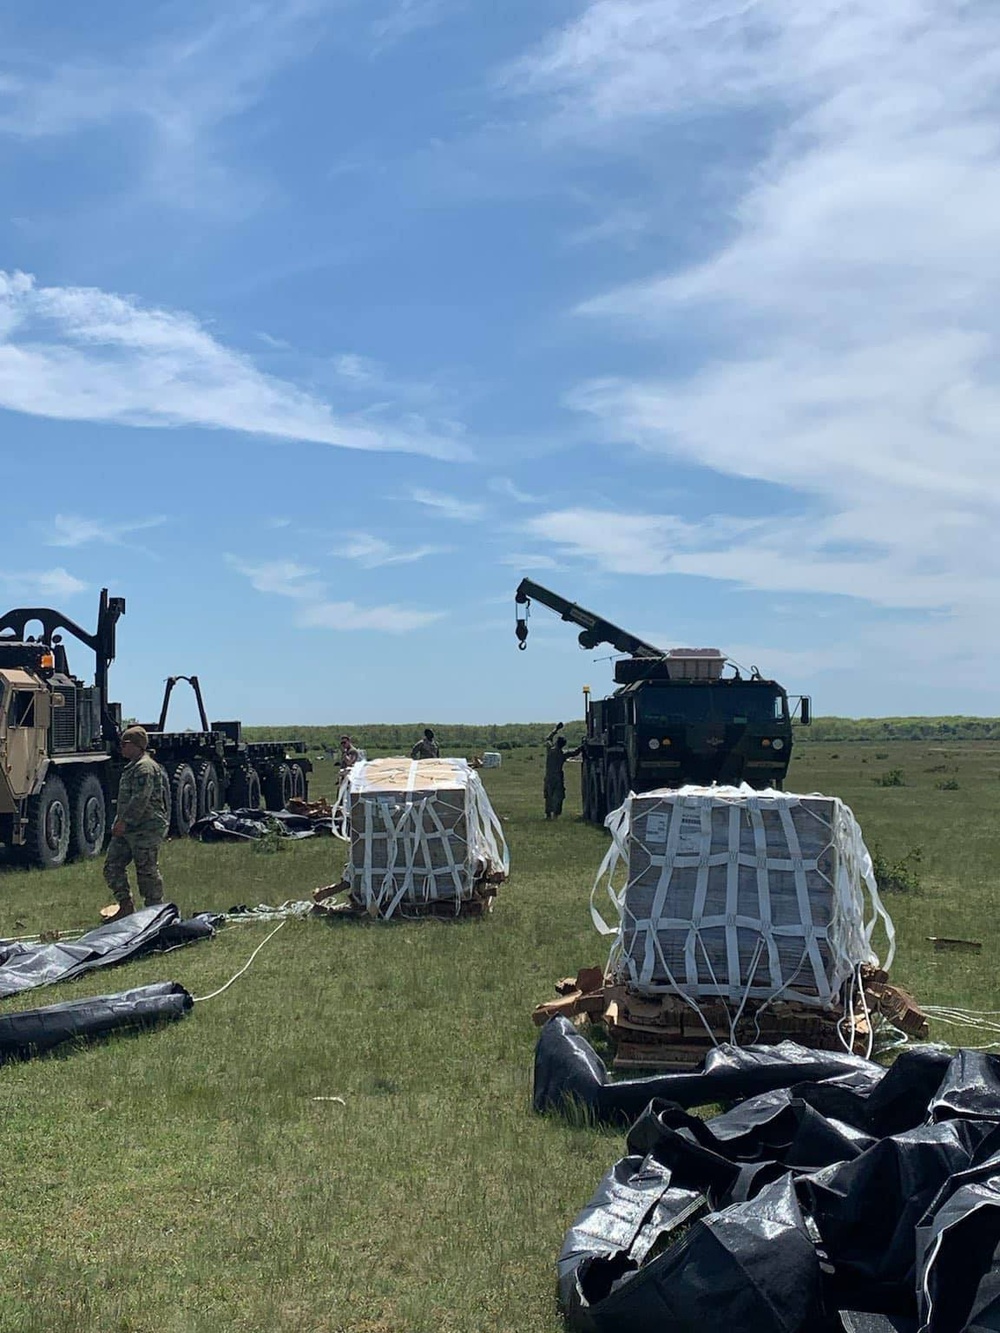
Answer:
[(901, 729), (453, 738), (473, 739)]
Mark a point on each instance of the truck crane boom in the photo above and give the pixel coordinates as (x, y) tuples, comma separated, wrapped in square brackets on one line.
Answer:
[(594, 629)]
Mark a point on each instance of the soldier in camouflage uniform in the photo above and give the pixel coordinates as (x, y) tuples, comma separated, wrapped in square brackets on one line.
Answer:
[(141, 824), (556, 755), (427, 747)]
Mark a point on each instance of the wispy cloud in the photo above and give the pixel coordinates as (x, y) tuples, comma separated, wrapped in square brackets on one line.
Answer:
[(505, 487), (449, 506), (77, 353), (181, 90), (283, 578), (75, 530), (850, 309), (358, 370), (405, 17), (373, 552), (317, 609), (530, 561), (39, 586), (349, 616)]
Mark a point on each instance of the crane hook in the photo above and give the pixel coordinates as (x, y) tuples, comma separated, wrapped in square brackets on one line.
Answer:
[(521, 627)]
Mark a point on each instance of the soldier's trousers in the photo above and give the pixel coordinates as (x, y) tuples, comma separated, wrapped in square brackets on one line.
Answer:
[(555, 794), (142, 849)]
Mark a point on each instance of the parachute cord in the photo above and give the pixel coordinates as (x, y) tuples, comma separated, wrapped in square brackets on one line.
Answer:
[(235, 977)]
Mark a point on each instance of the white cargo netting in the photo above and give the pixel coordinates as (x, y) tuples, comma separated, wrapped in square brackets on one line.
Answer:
[(421, 832), (734, 894)]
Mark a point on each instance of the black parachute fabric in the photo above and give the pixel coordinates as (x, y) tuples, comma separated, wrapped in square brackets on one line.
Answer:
[(569, 1071), (249, 823), (866, 1200), (24, 966), (34, 1031)]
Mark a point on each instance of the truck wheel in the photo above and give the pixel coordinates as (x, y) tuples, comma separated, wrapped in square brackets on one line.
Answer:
[(183, 800), (244, 794), (617, 785), (299, 785), (585, 793), (88, 817), (206, 778), (49, 825), (278, 788)]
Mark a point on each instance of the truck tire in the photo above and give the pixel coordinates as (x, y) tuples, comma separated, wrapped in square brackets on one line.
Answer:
[(183, 799), (244, 791), (49, 825), (595, 795), (617, 784), (585, 793), (278, 787), (88, 817), (206, 779), (300, 785)]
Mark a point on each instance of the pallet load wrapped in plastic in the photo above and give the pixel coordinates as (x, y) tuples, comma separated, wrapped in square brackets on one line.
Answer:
[(738, 908), (424, 838)]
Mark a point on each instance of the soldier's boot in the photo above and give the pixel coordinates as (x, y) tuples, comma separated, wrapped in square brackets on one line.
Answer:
[(123, 907)]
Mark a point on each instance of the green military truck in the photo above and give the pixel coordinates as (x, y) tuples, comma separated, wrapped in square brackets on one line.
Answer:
[(59, 755), (675, 718)]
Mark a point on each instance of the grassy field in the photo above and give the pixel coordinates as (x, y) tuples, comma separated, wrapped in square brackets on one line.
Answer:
[(188, 1179)]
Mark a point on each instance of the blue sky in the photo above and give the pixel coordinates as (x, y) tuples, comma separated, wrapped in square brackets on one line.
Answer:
[(322, 323)]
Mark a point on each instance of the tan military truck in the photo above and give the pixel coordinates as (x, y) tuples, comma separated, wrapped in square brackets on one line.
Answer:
[(59, 755)]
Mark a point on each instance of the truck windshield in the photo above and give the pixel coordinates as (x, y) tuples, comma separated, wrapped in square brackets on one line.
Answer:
[(710, 703)]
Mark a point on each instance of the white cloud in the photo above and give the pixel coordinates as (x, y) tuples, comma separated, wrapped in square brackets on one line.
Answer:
[(284, 578), (373, 552), (849, 309), (505, 487), (39, 586), (405, 17), (532, 561), (449, 506), (316, 610), (77, 353), (349, 616), (358, 370), (74, 530), (180, 90)]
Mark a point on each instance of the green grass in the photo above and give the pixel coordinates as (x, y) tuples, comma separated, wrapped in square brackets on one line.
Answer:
[(186, 1179)]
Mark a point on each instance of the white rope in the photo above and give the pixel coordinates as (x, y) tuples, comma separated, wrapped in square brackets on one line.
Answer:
[(236, 975)]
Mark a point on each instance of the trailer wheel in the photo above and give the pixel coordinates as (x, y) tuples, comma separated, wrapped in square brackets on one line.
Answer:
[(298, 781), (278, 787), (49, 825), (183, 800), (206, 777), (244, 793), (88, 817)]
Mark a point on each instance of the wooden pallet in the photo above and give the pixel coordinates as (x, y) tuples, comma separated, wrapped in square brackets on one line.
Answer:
[(664, 1032)]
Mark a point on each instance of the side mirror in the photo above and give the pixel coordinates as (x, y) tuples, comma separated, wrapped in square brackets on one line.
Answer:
[(805, 710)]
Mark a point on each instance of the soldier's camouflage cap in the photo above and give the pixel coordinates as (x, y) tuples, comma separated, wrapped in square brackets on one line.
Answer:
[(137, 735)]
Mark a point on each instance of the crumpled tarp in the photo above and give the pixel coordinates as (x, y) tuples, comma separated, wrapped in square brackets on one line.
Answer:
[(568, 1071), (865, 1199), (24, 966), (34, 1031), (248, 824)]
